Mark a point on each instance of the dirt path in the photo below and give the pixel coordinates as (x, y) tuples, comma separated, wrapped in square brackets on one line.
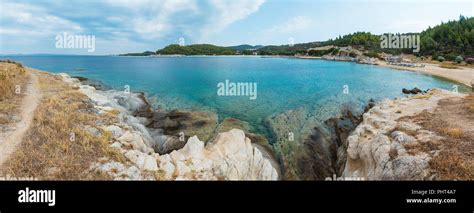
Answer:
[(10, 139)]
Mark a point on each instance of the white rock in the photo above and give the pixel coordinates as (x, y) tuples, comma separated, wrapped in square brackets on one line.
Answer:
[(132, 173), (168, 168), (136, 141), (402, 137), (182, 169), (194, 148), (164, 159), (177, 156), (116, 145), (142, 160), (115, 130), (231, 156)]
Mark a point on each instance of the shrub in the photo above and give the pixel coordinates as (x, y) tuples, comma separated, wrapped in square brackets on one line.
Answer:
[(450, 57), (372, 54), (440, 58), (459, 59)]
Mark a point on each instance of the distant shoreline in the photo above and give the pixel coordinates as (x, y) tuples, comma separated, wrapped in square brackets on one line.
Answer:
[(461, 75)]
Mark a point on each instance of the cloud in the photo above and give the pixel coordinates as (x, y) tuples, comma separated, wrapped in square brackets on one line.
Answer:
[(225, 12), (150, 22), (152, 19), (292, 25), (28, 20), (197, 20)]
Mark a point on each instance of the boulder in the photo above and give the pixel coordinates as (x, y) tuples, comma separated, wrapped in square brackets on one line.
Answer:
[(142, 160), (231, 156), (136, 141), (413, 91), (98, 85)]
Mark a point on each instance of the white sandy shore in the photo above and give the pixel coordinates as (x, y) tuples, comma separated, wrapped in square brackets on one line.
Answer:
[(462, 75)]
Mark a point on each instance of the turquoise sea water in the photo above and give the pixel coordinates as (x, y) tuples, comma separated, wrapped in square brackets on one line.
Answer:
[(282, 83)]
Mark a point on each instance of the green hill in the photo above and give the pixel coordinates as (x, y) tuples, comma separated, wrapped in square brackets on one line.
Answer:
[(449, 39), (243, 47), (146, 53), (195, 49)]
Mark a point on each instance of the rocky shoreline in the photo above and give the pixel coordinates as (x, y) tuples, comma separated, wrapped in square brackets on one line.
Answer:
[(386, 145), (185, 145), (316, 152), (176, 145)]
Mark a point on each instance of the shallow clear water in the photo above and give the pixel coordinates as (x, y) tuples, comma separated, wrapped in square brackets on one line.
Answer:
[(282, 83)]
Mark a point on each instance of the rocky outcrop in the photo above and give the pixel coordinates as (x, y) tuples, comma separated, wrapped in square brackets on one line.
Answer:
[(377, 148), (230, 157), (257, 140), (350, 53), (340, 128), (137, 133), (308, 149), (94, 83), (413, 91)]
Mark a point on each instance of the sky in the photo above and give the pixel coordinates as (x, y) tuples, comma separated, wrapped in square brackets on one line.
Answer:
[(123, 26)]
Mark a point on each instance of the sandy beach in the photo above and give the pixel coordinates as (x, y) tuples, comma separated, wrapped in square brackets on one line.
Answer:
[(461, 74)]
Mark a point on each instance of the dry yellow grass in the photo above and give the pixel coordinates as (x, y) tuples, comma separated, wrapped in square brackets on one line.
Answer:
[(470, 102), (13, 79), (453, 132), (450, 165), (448, 66), (11, 75), (452, 120), (57, 146)]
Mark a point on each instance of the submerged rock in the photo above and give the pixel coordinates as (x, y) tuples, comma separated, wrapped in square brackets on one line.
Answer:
[(301, 145), (180, 125), (413, 91), (308, 149), (98, 85)]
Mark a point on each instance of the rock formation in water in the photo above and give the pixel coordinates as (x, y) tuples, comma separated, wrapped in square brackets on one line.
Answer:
[(139, 131), (413, 91), (181, 125), (308, 149)]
